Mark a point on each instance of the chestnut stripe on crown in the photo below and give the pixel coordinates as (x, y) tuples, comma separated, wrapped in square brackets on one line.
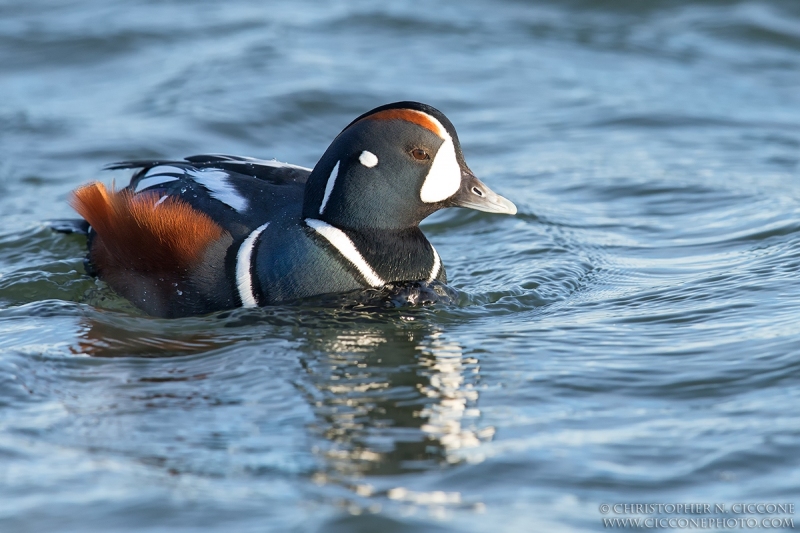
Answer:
[(410, 115)]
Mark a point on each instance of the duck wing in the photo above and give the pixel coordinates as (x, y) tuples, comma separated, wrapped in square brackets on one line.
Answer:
[(238, 193)]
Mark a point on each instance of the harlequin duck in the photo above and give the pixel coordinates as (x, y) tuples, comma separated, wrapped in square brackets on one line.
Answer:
[(214, 232)]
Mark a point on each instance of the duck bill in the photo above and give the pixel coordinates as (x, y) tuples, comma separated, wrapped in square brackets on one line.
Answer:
[(474, 194)]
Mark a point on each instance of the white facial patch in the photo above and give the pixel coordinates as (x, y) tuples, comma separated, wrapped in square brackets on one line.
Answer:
[(217, 184), (444, 177), (368, 159), (329, 187)]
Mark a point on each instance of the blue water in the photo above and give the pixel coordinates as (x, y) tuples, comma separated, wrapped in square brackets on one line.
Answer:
[(631, 335)]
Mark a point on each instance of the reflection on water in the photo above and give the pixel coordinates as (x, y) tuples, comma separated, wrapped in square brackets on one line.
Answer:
[(453, 381), (390, 395), (393, 401), (631, 334), (116, 336)]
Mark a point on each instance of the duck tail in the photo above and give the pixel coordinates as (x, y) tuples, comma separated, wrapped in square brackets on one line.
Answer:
[(143, 232), (148, 247)]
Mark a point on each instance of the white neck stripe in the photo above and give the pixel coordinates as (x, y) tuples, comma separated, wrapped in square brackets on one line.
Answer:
[(329, 187), (342, 242), (244, 260), (437, 265)]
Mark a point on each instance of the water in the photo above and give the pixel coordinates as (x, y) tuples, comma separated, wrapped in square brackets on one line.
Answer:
[(630, 336)]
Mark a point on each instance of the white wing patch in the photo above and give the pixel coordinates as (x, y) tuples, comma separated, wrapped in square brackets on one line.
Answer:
[(244, 259), (368, 159), (278, 164), (329, 187), (217, 184), (146, 183), (164, 169), (274, 163), (342, 242)]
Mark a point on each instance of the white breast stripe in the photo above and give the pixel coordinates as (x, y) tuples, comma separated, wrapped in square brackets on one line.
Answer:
[(217, 184), (146, 183), (342, 242), (437, 264), (244, 259), (329, 187)]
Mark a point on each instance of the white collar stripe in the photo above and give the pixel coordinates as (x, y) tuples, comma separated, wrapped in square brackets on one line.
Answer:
[(437, 264), (244, 261), (329, 187), (342, 242)]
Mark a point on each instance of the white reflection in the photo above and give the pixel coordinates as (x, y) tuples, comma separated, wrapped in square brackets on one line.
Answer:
[(360, 342), (451, 381), (393, 400)]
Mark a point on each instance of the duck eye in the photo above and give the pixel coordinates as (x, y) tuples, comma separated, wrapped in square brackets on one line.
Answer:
[(419, 154)]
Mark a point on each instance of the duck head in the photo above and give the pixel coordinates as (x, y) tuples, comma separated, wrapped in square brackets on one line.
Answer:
[(392, 167)]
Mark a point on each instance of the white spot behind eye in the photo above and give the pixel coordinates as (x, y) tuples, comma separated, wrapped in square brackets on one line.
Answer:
[(368, 159)]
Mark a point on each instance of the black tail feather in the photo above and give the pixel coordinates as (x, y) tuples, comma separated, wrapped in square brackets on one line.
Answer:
[(69, 225)]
